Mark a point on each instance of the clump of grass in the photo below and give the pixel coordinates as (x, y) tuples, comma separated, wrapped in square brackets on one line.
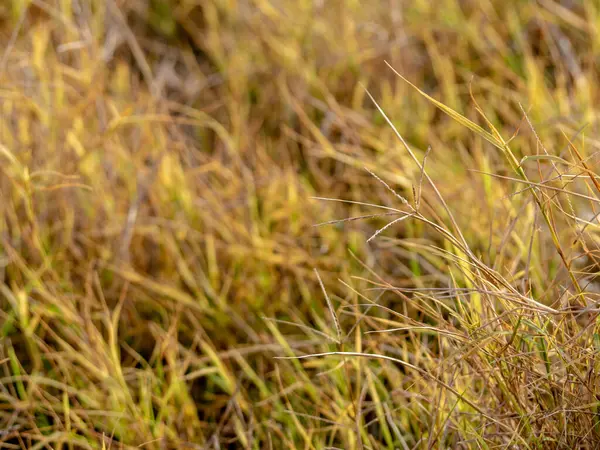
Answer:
[(158, 240), (494, 357)]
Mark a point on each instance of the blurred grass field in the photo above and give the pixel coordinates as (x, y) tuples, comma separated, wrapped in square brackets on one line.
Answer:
[(178, 177)]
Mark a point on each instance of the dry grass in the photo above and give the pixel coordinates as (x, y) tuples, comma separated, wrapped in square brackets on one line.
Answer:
[(164, 164)]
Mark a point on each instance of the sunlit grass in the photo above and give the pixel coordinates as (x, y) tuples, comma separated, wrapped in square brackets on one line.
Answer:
[(293, 224)]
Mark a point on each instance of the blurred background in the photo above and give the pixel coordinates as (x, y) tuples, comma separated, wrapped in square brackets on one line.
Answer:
[(160, 161)]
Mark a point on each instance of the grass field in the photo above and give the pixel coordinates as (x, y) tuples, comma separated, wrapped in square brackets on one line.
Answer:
[(281, 224)]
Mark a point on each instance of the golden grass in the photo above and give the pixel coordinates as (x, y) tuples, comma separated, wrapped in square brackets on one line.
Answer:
[(299, 224)]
